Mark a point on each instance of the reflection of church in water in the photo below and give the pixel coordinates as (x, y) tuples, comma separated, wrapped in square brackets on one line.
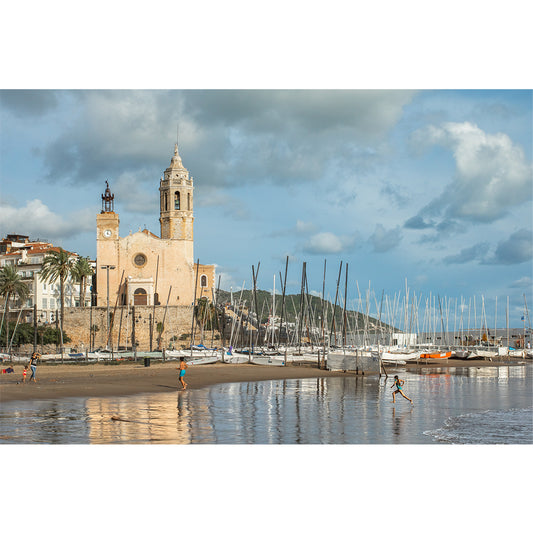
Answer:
[(144, 269)]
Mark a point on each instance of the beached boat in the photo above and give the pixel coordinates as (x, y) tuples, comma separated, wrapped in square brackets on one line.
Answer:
[(268, 360), (435, 356), (481, 354), (236, 359), (204, 360), (395, 357), (461, 354), (51, 357)]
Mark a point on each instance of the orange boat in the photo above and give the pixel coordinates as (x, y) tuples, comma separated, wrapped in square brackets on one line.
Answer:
[(436, 355)]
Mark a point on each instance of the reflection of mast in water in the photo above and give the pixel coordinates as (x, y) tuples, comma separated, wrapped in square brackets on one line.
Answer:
[(195, 422)]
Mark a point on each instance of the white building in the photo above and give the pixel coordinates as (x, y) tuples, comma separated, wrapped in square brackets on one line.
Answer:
[(27, 257)]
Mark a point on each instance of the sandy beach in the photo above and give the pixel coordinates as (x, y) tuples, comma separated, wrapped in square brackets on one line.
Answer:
[(98, 380)]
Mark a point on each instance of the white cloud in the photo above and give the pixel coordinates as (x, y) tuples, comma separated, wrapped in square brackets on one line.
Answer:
[(523, 283), (328, 243), (304, 227), (38, 221), (492, 174)]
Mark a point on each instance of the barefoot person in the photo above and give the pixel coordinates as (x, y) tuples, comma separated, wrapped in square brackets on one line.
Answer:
[(181, 368), (33, 365), (24, 372), (399, 384)]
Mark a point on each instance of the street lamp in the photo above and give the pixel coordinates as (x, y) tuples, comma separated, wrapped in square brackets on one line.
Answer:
[(108, 268)]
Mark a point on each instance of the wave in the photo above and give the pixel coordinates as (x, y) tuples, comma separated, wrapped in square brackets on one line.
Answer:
[(494, 426)]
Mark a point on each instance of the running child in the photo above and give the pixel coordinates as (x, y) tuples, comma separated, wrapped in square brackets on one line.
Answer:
[(181, 368), (399, 384)]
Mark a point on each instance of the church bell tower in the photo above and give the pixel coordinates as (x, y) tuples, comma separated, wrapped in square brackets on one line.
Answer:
[(176, 197)]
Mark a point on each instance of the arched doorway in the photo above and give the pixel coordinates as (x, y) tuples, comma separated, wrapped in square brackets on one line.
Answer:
[(140, 297)]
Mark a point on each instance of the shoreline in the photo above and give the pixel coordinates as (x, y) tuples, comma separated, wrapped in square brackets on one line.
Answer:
[(56, 381)]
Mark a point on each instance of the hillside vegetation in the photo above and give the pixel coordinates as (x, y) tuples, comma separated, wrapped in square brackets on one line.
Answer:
[(312, 309)]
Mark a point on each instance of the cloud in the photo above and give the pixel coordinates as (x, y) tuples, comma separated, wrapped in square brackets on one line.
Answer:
[(304, 227), (328, 243), (227, 138), (492, 174), (28, 103), (384, 240), (300, 228), (38, 221), (522, 283), (518, 248), (474, 253), (417, 222), (133, 193)]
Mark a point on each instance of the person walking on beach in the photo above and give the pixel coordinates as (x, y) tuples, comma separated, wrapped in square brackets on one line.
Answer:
[(24, 373), (181, 368), (33, 365), (399, 384)]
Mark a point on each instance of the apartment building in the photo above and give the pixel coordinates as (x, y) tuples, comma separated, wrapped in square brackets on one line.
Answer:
[(27, 257)]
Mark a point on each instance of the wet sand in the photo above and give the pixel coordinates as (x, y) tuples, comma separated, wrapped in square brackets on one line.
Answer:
[(97, 380)]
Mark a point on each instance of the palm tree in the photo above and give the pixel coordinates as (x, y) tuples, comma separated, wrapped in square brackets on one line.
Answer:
[(80, 272), (58, 264), (160, 328), (204, 312), (11, 284)]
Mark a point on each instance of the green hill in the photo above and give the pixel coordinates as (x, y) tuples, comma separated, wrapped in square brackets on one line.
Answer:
[(313, 308)]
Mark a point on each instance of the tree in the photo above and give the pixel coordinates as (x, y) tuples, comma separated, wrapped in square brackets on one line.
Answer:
[(204, 313), (58, 264), (160, 328), (11, 285), (81, 270)]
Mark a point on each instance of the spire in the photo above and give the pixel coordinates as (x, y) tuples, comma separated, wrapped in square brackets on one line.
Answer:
[(176, 162)]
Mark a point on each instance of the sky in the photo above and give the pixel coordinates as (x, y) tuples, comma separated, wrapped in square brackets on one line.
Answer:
[(425, 189)]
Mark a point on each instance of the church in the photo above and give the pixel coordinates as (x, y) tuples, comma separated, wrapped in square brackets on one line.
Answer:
[(143, 269)]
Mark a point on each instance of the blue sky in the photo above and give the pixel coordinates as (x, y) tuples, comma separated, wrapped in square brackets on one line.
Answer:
[(431, 186)]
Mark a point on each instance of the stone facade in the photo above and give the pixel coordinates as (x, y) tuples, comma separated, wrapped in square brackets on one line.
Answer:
[(177, 323), (144, 270)]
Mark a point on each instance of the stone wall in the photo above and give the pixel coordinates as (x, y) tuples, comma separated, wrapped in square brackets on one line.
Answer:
[(176, 323)]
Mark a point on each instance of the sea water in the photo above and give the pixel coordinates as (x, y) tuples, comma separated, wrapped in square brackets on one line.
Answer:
[(485, 405)]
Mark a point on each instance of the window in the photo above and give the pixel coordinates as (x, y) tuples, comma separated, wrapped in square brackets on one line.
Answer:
[(177, 201), (52, 303), (139, 260), (188, 201), (203, 281), (44, 288), (45, 303), (166, 201)]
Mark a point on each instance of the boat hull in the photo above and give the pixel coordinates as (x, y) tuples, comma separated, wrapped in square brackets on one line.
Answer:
[(268, 360), (436, 355)]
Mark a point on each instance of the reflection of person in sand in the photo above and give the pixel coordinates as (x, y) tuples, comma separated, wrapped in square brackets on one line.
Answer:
[(399, 384), (181, 368)]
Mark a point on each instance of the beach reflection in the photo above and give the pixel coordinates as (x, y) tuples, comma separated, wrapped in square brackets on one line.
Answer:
[(332, 410)]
